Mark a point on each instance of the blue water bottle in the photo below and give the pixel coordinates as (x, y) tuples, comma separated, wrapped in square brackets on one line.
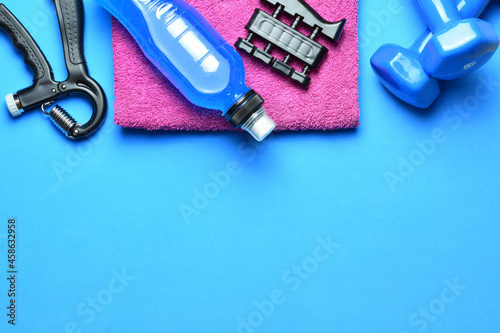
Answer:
[(195, 58)]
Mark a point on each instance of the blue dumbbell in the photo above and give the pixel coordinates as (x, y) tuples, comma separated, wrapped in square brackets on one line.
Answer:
[(458, 46), (401, 71)]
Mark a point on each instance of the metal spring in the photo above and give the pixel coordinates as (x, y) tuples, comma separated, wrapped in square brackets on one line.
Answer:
[(62, 120)]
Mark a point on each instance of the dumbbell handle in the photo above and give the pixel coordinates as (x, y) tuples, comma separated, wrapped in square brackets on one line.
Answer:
[(466, 8), (438, 13)]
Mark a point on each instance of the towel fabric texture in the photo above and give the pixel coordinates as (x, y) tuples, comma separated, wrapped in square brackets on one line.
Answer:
[(145, 99)]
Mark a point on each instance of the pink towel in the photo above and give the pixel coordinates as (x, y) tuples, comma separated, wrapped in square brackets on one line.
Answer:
[(145, 99)]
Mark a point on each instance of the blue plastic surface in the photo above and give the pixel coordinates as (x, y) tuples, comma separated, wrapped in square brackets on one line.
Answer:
[(180, 42), (458, 46), (103, 246)]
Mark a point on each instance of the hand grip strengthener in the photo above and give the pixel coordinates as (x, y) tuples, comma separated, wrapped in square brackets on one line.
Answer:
[(45, 90)]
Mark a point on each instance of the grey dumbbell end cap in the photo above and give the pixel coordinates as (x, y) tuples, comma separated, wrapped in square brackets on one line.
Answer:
[(12, 105)]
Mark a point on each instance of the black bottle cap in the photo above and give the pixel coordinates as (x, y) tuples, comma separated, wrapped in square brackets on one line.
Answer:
[(243, 109)]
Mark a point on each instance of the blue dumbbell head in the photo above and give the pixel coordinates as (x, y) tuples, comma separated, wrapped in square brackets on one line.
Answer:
[(401, 71), (458, 46)]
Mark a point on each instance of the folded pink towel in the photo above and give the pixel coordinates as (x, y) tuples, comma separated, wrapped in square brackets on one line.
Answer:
[(145, 99)]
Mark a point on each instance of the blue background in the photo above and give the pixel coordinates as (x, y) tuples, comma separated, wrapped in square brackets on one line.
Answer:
[(103, 245)]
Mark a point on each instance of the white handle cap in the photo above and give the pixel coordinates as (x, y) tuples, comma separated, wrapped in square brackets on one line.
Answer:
[(12, 105)]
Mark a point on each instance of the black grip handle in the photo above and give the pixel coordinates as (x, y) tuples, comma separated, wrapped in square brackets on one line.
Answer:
[(33, 56), (332, 30), (71, 23)]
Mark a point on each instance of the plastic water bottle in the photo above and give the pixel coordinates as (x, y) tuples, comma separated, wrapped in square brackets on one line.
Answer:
[(195, 58)]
